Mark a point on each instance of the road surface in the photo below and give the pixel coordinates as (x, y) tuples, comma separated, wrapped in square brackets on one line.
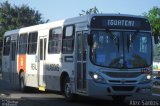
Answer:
[(10, 96)]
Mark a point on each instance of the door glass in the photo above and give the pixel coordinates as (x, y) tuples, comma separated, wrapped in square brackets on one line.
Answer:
[(41, 49), (79, 47), (84, 42), (13, 51), (81, 62), (79, 58), (45, 39)]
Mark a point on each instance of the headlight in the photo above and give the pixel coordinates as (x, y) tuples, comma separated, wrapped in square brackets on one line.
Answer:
[(97, 77), (146, 79)]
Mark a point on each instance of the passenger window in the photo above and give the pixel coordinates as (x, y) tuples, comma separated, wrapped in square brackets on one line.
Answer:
[(55, 37), (23, 43), (6, 47), (32, 43), (68, 39), (69, 31)]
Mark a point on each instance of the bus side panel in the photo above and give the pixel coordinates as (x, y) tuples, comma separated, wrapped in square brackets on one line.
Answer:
[(14, 67), (52, 72), (6, 68), (31, 76), (68, 65)]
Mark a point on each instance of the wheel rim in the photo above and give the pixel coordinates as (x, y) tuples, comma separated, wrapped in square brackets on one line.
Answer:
[(67, 90)]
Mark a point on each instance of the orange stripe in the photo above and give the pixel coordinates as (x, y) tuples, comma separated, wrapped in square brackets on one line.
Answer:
[(22, 63)]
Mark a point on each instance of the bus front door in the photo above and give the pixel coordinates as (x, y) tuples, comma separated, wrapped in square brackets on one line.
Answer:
[(81, 62), (41, 62), (13, 58)]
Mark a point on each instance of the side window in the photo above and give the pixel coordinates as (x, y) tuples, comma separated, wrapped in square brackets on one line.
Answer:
[(32, 43), (54, 44), (23, 43), (69, 31), (68, 39), (143, 44), (6, 47)]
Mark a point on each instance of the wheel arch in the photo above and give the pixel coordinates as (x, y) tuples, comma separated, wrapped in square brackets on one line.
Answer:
[(20, 72)]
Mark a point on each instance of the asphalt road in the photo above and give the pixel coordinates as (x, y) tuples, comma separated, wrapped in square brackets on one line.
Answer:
[(10, 96)]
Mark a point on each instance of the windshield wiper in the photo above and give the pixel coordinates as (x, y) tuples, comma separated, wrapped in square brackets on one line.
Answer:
[(114, 38), (131, 38)]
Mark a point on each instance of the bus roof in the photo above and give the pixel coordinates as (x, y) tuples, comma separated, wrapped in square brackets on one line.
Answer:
[(35, 28), (88, 17), (68, 21)]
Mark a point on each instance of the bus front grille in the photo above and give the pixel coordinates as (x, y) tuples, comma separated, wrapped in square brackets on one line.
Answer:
[(123, 88), (123, 74), (122, 82)]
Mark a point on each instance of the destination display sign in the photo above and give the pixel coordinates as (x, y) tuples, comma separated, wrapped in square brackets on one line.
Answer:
[(123, 23), (119, 22)]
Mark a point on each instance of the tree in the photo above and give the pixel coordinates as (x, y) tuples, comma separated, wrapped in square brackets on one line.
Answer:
[(154, 17), (13, 17), (93, 10)]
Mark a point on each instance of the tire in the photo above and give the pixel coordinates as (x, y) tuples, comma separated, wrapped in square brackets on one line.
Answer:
[(67, 89), (22, 84), (118, 98), (155, 83)]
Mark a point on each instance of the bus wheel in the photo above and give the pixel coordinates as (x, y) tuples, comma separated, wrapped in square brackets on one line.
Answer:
[(67, 89), (22, 83)]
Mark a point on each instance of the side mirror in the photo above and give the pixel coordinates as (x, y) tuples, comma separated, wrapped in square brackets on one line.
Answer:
[(90, 40)]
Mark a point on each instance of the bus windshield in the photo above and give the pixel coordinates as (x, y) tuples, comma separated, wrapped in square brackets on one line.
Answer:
[(121, 49)]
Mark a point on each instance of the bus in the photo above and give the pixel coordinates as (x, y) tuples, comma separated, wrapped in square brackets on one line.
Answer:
[(98, 55)]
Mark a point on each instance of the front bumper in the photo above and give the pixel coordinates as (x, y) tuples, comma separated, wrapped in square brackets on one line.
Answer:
[(106, 90)]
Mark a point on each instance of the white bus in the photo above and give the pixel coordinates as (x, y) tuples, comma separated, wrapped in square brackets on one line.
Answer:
[(100, 55)]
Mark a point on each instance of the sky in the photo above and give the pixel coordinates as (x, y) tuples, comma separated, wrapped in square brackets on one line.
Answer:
[(62, 9)]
